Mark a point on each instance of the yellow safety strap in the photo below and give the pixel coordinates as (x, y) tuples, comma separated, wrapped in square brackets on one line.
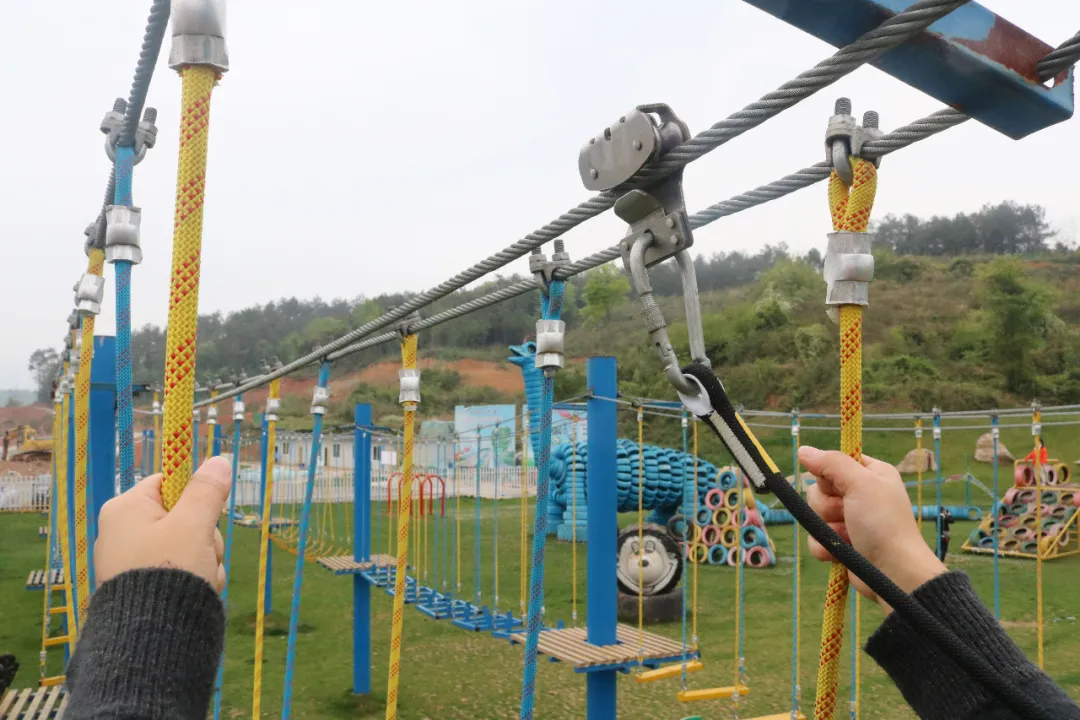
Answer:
[(198, 83), (264, 548), (82, 447), (850, 208), (408, 362)]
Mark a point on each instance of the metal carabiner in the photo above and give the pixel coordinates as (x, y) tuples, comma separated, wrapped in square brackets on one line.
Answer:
[(654, 317)]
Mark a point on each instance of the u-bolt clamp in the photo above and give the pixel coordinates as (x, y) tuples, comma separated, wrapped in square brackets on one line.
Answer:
[(656, 212), (543, 270)]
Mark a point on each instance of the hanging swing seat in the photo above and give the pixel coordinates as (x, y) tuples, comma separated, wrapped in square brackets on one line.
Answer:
[(781, 716), (36, 580), (43, 531), (254, 521), (668, 671), (718, 693)]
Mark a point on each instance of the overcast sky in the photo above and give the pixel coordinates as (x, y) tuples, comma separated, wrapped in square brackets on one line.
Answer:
[(360, 147)]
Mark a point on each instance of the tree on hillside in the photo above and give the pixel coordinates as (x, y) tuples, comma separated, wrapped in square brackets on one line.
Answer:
[(1017, 311), (44, 365), (605, 287), (1007, 228)]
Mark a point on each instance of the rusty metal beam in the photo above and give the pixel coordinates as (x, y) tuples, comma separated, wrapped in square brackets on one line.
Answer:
[(972, 59)]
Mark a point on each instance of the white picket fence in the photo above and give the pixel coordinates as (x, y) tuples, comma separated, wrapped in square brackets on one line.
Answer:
[(31, 494)]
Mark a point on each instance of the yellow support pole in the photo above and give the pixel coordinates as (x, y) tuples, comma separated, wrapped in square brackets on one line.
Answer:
[(82, 446), (850, 209), (409, 401), (272, 404), (156, 409)]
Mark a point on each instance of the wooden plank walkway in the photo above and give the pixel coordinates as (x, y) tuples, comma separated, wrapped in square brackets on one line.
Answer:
[(346, 565), (569, 645), (46, 703)]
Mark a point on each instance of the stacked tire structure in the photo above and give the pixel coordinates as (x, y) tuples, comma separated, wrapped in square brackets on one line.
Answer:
[(1024, 528)]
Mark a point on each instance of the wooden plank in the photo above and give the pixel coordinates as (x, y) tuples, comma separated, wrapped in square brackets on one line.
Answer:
[(63, 706), (570, 645), (55, 694), (6, 702), (16, 710), (39, 697), (711, 694)]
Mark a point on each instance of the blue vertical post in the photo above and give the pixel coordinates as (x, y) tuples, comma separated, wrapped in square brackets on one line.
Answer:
[(215, 440), (102, 483), (70, 539), (994, 431), (937, 461), (476, 530), (603, 528), (268, 602), (362, 549)]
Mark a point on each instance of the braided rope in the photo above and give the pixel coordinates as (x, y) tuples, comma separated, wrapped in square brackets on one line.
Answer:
[(264, 551), (551, 309), (82, 447), (51, 537), (850, 211), (62, 480), (408, 362), (123, 170), (176, 445)]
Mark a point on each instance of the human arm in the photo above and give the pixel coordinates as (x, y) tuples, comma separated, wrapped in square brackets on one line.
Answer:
[(153, 634), (868, 506)]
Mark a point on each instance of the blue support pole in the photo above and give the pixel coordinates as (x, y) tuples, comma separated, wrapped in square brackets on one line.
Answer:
[(477, 592), (301, 545), (73, 587), (603, 529), (269, 595), (362, 549), (102, 460), (994, 431), (215, 440), (238, 420), (971, 59)]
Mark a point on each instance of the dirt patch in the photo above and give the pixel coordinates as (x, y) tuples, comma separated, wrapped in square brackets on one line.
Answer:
[(503, 377), (26, 469), (37, 416)]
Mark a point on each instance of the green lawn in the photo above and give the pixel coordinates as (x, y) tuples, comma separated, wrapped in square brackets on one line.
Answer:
[(449, 673)]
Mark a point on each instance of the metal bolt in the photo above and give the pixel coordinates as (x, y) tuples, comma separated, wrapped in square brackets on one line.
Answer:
[(150, 115), (670, 223), (637, 144), (593, 173), (119, 105), (560, 245), (870, 119), (843, 106)]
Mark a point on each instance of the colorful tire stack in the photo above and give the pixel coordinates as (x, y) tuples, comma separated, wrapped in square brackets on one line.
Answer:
[(720, 530), (1020, 532)]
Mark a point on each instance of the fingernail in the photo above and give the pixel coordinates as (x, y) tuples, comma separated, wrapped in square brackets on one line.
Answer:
[(808, 452)]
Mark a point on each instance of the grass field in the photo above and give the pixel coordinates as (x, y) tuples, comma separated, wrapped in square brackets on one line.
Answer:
[(449, 673)]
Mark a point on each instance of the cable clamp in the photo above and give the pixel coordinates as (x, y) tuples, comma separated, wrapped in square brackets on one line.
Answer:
[(937, 433), (89, 292), (319, 400), (995, 433), (404, 325), (845, 137), (544, 270), (122, 231), (1036, 428), (238, 410), (196, 414), (272, 406), (848, 270), (198, 35), (918, 433), (550, 344), (211, 415), (409, 386)]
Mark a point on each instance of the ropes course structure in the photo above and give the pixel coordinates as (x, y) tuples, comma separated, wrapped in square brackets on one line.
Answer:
[(324, 511)]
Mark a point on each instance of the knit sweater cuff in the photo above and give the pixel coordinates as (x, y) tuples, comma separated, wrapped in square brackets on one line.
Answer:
[(149, 648), (931, 682)]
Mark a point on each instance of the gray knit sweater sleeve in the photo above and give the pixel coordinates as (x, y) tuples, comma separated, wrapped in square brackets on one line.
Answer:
[(149, 649), (933, 684)]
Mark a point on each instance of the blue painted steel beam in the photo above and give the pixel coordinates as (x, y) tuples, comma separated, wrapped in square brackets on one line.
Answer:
[(971, 59), (361, 549), (102, 451)]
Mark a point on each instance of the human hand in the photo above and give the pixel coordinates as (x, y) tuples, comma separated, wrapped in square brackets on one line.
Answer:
[(135, 531), (869, 507)]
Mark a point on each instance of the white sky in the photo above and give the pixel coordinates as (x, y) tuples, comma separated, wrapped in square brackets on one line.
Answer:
[(362, 147)]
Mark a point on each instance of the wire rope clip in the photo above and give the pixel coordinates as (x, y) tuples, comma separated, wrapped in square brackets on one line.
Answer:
[(155, 408), (211, 415), (848, 270), (845, 137), (550, 344), (198, 35), (404, 325), (319, 400), (89, 292), (995, 433), (238, 410), (272, 407), (122, 234), (409, 386)]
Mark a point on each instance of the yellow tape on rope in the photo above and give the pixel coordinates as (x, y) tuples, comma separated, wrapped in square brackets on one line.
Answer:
[(198, 83), (408, 362), (850, 209), (264, 550)]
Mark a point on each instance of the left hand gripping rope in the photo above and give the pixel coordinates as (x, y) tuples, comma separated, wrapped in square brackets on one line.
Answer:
[(658, 230)]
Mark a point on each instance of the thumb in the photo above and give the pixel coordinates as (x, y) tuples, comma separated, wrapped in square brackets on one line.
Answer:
[(835, 471), (206, 493)]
